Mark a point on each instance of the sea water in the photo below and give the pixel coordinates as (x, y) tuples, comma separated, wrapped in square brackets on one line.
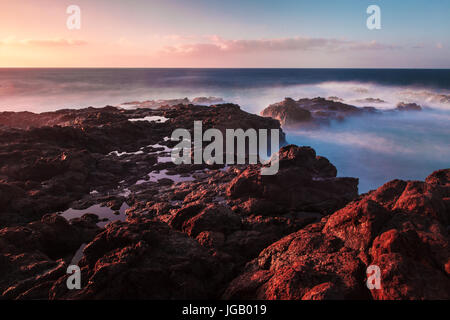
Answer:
[(375, 148)]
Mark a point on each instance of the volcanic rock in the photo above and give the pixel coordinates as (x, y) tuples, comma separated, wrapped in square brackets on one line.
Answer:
[(408, 107), (32, 257), (402, 228), (52, 159), (304, 182), (143, 259), (292, 112)]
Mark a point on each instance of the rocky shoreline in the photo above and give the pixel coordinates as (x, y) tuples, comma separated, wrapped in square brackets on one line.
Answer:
[(199, 231), (319, 111)]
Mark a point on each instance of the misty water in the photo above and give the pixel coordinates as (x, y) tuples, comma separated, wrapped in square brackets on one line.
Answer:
[(374, 148), (379, 148)]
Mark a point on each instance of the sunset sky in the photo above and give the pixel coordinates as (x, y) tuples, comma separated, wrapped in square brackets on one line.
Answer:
[(219, 33)]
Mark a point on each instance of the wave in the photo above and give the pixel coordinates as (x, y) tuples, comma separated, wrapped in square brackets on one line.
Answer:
[(48, 90)]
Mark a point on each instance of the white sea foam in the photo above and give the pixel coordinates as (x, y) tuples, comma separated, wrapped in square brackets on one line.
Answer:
[(158, 119), (354, 93), (121, 154)]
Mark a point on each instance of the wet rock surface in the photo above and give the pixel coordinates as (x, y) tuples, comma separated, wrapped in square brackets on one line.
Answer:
[(402, 228), (147, 260), (291, 112), (311, 181), (319, 111), (202, 231), (408, 107), (34, 256), (52, 159)]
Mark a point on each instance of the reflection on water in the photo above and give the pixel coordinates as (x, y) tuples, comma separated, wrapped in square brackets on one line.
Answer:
[(104, 213), (163, 174), (379, 148)]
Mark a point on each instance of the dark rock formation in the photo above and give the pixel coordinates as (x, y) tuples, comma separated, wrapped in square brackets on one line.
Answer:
[(49, 160), (231, 214), (402, 228), (408, 107), (288, 112), (311, 182), (143, 259), (189, 230), (34, 256), (291, 112), (222, 117), (221, 240), (313, 112), (154, 104), (371, 100), (207, 100)]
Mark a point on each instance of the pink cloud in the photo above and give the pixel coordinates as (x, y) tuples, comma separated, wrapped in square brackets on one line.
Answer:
[(372, 45), (59, 42), (218, 45)]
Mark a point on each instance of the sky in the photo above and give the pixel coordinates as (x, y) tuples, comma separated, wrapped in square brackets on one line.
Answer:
[(225, 33)]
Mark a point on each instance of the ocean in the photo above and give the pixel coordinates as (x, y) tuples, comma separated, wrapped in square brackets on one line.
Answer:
[(376, 148)]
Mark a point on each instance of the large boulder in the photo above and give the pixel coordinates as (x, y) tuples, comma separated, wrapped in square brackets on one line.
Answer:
[(288, 113), (304, 182), (402, 228), (296, 112), (213, 217), (303, 265)]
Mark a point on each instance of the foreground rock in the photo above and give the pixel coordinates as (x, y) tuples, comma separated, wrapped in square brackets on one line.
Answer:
[(33, 257), (238, 212), (49, 160), (200, 234), (142, 259), (190, 230), (402, 227), (190, 240), (310, 179)]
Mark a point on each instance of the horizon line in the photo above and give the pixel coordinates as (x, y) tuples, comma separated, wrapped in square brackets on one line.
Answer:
[(212, 68)]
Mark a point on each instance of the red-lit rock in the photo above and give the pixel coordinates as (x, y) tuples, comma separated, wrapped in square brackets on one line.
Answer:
[(402, 228)]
